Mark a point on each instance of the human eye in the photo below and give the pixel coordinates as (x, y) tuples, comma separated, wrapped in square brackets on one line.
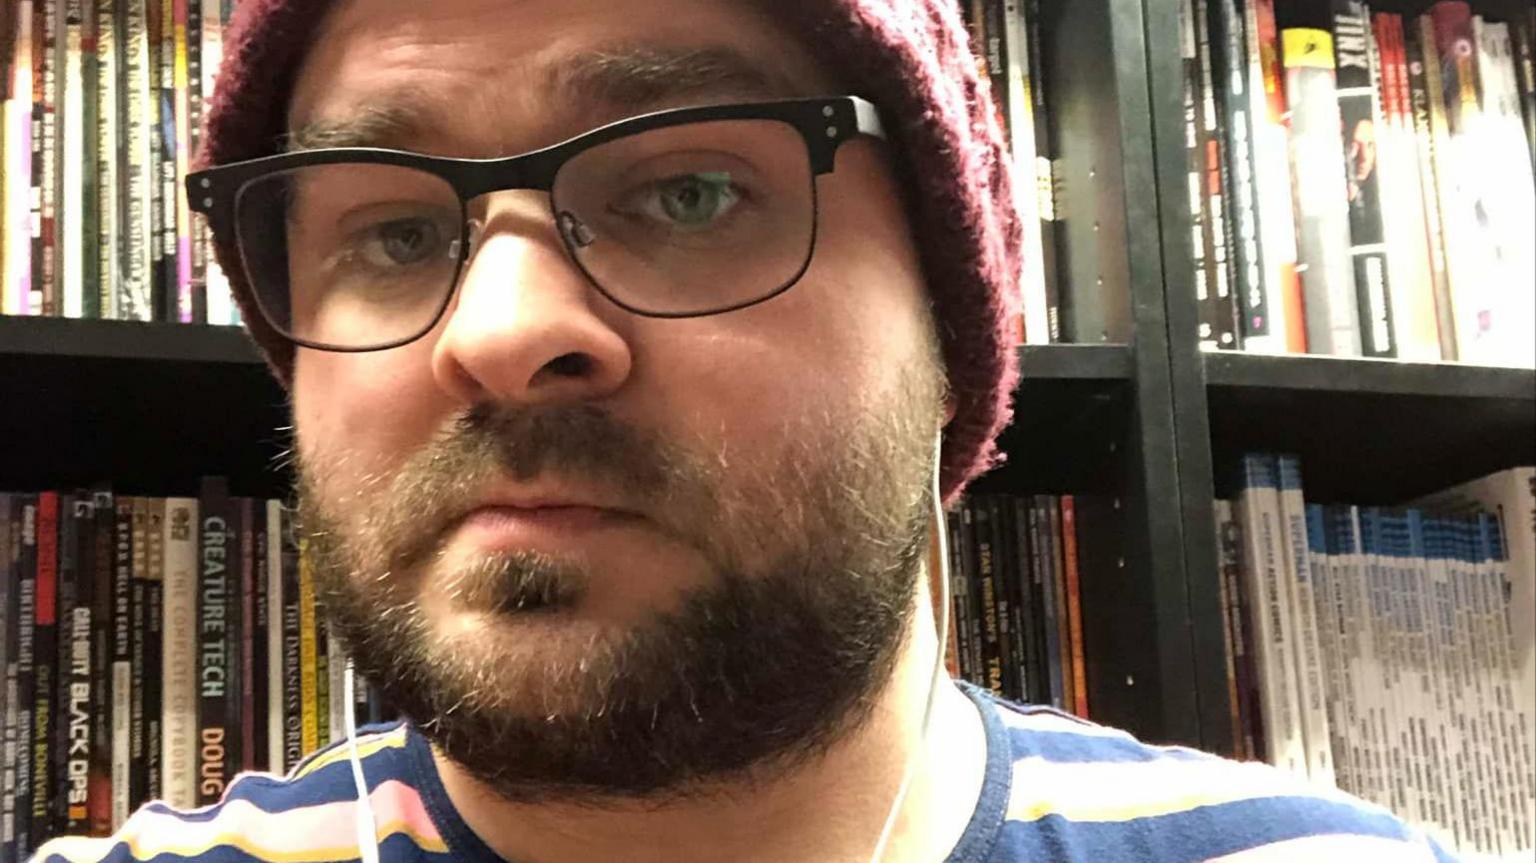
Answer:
[(695, 201), (401, 243)]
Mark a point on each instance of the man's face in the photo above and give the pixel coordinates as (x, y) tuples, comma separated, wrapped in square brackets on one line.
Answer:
[(593, 552)]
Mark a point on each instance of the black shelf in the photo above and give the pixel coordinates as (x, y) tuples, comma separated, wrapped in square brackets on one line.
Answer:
[(1075, 362), (1370, 431), (127, 340), (1368, 376)]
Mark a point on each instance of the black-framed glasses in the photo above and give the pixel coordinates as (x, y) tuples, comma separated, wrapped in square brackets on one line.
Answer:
[(674, 214)]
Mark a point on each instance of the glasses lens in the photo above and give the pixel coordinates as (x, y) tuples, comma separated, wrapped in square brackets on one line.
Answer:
[(691, 219), (350, 255)]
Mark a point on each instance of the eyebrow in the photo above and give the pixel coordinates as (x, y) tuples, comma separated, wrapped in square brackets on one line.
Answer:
[(619, 81)]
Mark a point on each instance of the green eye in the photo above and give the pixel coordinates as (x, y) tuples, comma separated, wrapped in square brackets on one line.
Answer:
[(689, 201)]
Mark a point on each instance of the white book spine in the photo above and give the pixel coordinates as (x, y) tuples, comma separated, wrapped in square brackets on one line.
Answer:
[(1511, 196), (1330, 645), (274, 636), (1497, 676), (1482, 827), (1420, 687), (1258, 508), (179, 658), (1440, 632), (1311, 692), (1359, 650), (337, 669), (72, 165)]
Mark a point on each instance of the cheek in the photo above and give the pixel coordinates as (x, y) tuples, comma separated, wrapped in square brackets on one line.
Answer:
[(357, 415)]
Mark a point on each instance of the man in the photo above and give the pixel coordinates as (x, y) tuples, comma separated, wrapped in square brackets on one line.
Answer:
[(618, 453)]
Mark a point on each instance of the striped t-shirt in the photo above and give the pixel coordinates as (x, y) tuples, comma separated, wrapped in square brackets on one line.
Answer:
[(1056, 789)]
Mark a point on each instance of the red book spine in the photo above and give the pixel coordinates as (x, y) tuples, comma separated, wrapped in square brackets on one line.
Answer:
[(1074, 605)]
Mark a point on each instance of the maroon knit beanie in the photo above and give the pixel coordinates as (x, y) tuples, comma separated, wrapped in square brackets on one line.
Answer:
[(911, 58)]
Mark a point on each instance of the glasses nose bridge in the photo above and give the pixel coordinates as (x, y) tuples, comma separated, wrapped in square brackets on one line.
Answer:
[(530, 171)]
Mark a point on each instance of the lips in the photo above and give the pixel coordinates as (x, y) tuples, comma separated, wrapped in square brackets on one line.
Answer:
[(512, 521)]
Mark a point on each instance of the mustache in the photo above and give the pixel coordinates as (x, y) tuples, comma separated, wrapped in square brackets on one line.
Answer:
[(445, 480)]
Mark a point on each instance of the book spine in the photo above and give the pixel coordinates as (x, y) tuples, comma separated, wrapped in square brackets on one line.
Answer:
[(1510, 199), (1007, 634), (258, 641), (196, 247), (134, 299), (323, 678), (78, 699), (1302, 610), (1258, 508), (1250, 292), (10, 539), (168, 209), (71, 114), (987, 594), (154, 649), (15, 210), (108, 162), (1330, 650), (1442, 638), (1072, 581), (45, 652), (1322, 204), (217, 585), (162, 294), (1025, 605), (180, 660), (103, 561), (245, 612), (1199, 197), (1016, 668), (88, 121), (1045, 168), (973, 657), (25, 693), (1242, 683), (1522, 32), (138, 780), (45, 155), (1021, 126), (293, 666), (308, 653), (1272, 171), (1219, 315), (1357, 98), (1408, 260), (1427, 102), (1428, 713), (274, 632)]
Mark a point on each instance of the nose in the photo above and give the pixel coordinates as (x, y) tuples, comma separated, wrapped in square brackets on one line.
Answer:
[(526, 326)]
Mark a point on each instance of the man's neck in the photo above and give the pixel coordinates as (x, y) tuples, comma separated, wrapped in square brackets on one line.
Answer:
[(830, 809)]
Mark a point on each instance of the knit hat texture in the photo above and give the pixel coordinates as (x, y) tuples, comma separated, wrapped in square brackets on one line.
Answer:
[(911, 58)]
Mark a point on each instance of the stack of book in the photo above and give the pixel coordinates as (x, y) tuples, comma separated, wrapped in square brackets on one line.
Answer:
[(1016, 600), (103, 104), (1390, 651), (152, 649), (1361, 182)]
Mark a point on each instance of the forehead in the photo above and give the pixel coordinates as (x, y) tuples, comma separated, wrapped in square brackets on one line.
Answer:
[(492, 77)]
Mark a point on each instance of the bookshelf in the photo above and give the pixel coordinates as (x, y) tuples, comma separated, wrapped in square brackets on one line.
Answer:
[(1134, 417)]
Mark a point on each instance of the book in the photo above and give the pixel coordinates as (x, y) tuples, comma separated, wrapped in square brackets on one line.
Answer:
[(1357, 100), (1257, 508), (218, 583), (1322, 205), (179, 659), (1310, 689)]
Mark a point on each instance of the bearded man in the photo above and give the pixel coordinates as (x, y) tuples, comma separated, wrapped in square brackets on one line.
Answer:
[(632, 348)]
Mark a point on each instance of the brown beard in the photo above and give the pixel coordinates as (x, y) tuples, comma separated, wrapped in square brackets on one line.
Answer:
[(814, 563)]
